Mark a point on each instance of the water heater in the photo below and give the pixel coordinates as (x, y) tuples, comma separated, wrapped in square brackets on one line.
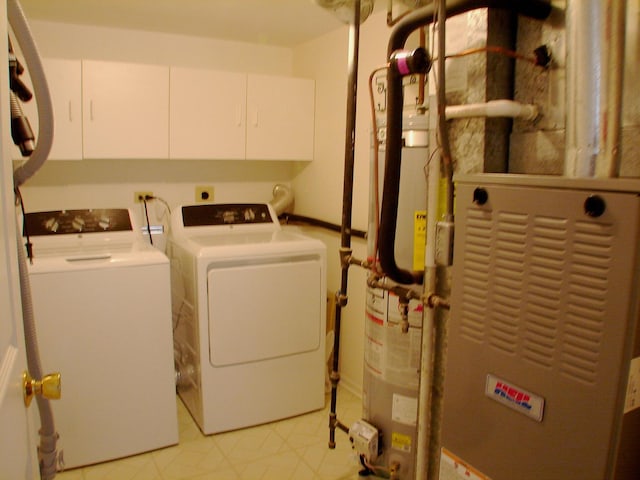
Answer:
[(392, 356), (543, 367)]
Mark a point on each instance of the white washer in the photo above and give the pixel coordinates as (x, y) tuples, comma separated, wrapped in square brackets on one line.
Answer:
[(249, 306), (102, 306)]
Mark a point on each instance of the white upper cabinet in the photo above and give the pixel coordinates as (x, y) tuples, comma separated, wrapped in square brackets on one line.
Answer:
[(111, 110), (207, 114), (125, 109), (280, 118), (64, 79), (233, 116)]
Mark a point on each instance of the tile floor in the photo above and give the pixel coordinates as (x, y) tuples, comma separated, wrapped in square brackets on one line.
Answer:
[(294, 448)]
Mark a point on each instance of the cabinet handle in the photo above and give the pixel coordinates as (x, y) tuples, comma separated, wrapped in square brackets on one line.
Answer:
[(254, 119), (70, 112), (91, 110), (239, 116)]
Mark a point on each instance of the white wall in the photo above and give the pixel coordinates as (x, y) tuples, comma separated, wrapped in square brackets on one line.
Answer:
[(111, 183)]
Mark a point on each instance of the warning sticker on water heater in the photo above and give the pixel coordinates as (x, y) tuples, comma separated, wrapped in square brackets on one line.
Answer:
[(632, 400)]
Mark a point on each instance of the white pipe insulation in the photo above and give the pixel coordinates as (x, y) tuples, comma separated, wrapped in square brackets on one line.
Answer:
[(493, 108)]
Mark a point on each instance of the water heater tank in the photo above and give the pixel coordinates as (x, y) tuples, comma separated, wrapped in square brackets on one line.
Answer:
[(392, 357)]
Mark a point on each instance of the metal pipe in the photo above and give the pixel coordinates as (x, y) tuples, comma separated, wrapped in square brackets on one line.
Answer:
[(426, 349), (399, 35), (347, 203), (613, 30), (595, 62), (584, 74)]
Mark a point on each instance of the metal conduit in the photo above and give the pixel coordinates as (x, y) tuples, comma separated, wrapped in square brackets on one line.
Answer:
[(347, 204)]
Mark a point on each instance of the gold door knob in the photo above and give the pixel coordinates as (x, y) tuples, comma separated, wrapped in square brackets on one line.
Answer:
[(49, 387)]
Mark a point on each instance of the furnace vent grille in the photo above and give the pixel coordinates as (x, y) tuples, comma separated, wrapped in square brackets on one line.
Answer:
[(535, 286)]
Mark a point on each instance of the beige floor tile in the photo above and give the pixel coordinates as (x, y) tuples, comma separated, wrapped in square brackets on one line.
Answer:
[(295, 448), (282, 466)]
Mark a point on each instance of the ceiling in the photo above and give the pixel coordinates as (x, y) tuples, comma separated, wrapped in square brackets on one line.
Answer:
[(272, 22)]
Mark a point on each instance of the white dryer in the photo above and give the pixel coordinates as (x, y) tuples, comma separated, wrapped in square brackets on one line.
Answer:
[(102, 306), (249, 302)]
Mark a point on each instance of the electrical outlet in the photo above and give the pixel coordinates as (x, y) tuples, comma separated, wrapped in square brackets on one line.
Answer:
[(139, 196), (204, 193)]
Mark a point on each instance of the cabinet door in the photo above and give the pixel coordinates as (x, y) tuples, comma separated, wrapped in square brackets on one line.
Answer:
[(207, 114), (280, 118), (64, 79), (125, 110)]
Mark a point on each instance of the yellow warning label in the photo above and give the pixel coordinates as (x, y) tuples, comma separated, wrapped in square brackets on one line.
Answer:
[(419, 238), (442, 198), (400, 441)]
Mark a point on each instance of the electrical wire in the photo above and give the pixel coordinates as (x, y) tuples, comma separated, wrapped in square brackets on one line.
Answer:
[(146, 214), (25, 230), (494, 49)]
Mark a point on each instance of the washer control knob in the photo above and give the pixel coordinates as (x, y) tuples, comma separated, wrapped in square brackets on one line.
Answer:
[(78, 224), (249, 215)]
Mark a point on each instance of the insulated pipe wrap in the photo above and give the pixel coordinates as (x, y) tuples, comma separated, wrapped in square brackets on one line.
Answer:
[(532, 8)]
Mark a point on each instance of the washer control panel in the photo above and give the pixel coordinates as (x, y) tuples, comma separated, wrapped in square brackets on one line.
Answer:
[(64, 222), (226, 214)]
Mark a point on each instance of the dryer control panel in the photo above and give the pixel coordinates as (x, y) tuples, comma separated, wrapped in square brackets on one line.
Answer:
[(226, 214)]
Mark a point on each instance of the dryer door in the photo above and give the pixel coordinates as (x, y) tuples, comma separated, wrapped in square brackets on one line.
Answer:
[(264, 311)]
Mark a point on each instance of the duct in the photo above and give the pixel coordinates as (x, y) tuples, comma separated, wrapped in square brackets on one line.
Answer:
[(282, 198), (424, 16), (47, 453), (343, 9), (595, 31), (22, 32)]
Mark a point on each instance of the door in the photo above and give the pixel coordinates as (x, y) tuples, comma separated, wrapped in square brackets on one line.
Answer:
[(17, 456), (17, 444)]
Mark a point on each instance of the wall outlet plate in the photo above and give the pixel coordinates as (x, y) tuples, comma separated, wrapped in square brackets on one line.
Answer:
[(204, 194), (139, 196)]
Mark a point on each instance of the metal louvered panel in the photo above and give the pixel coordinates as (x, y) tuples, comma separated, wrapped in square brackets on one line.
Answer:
[(518, 269), (544, 307), (476, 282)]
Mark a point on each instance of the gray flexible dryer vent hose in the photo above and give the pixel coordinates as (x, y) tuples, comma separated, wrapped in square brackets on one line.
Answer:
[(47, 454), (20, 27)]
